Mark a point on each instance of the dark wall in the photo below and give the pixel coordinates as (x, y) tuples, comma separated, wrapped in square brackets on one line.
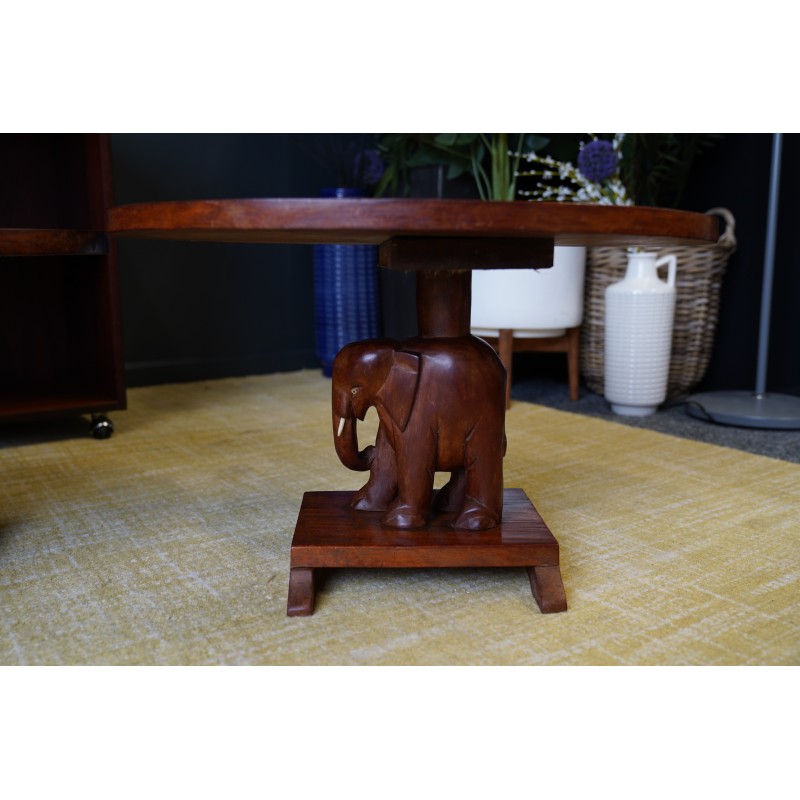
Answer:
[(204, 310), (735, 174), (194, 311)]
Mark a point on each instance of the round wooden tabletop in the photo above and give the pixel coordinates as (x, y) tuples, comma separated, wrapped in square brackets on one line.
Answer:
[(373, 221)]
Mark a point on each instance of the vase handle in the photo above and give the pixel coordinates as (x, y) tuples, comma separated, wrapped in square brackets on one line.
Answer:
[(673, 266)]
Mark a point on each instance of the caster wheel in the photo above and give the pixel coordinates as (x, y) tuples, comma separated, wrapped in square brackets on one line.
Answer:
[(102, 427)]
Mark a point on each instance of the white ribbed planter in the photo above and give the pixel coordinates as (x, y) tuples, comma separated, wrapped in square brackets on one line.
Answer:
[(638, 335), (532, 303)]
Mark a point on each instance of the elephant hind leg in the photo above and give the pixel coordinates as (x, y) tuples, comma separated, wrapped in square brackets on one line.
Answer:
[(450, 497), (483, 501), (475, 516), (471, 514)]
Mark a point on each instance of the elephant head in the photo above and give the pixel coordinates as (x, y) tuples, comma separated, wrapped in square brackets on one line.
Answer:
[(370, 373)]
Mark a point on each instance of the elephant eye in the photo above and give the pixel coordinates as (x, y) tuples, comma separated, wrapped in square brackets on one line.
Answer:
[(354, 390)]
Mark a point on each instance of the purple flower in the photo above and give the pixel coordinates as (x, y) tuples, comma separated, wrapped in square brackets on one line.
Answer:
[(597, 161), (368, 167)]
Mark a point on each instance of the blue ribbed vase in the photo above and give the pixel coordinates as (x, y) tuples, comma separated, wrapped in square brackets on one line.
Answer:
[(345, 292)]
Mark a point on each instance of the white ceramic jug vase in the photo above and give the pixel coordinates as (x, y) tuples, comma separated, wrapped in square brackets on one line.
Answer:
[(638, 335)]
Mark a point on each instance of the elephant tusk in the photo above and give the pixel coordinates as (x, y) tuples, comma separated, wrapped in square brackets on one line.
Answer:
[(341, 427)]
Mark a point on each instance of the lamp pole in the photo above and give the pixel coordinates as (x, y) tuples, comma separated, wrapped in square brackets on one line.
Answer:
[(756, 409)]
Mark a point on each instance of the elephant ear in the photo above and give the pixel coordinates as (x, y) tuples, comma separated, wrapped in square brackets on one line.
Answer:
[(399, 391)]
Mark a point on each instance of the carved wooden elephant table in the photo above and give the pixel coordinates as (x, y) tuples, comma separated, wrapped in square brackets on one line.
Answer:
[(440, 396)]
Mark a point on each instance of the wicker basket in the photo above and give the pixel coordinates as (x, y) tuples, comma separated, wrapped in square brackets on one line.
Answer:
[(698, 284)]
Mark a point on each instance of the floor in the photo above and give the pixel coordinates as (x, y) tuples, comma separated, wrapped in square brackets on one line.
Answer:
[(672, 419), (547, 388)]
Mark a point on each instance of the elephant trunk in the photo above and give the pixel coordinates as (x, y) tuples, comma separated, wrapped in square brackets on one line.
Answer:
[(345, 436)]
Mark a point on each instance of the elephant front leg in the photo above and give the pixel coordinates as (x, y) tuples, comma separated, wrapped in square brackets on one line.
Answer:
[(412, 505), (381, 488)]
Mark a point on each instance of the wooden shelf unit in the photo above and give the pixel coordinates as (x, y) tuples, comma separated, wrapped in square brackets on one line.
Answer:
[(60, 329)]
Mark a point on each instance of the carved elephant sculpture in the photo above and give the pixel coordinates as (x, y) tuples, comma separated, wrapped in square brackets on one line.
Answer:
[(441, 407)]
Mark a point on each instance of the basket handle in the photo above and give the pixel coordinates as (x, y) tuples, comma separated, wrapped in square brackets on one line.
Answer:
[(728, 237)]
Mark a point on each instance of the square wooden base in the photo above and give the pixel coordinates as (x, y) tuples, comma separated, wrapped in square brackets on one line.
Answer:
[(330, 534)]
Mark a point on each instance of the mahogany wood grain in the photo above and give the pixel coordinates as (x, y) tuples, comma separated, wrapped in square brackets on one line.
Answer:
[(331, 534), (301, 592), (548, 589), (16, 407), (373, 221), (440, 400), (59, 290), (51, 242), (444, 303)]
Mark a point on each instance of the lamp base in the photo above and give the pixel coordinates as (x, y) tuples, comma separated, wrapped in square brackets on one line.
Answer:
[(747, 409)]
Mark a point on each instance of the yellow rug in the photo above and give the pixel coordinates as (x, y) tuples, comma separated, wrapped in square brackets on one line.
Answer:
[(169, 544)]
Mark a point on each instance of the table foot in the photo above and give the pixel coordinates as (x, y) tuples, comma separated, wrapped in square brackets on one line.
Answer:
[(548, 589), (331, 534), (301, 592)]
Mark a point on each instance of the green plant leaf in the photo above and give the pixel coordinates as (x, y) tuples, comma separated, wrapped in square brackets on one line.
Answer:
[(424, 158), (534, 142), (455, 171)]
